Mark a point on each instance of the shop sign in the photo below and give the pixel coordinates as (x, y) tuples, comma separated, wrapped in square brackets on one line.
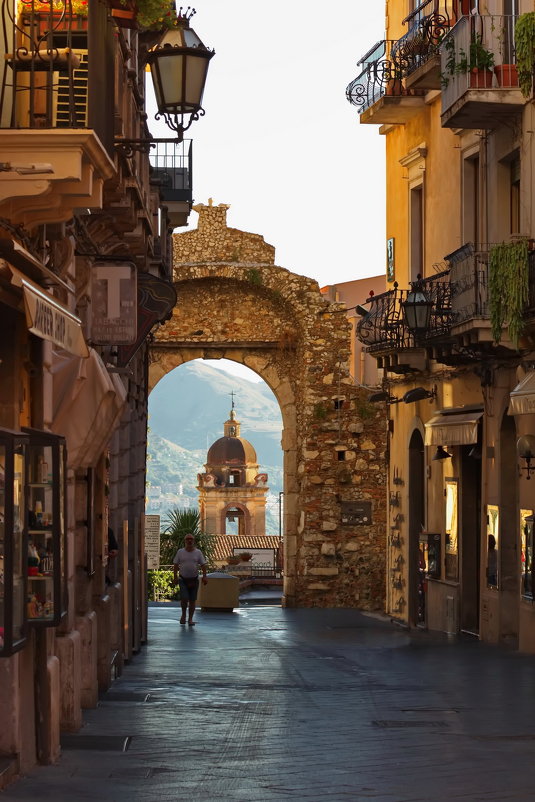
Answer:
[(47, 318), (152, 541), (113, 303)]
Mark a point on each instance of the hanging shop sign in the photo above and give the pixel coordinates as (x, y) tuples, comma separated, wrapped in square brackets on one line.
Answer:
[(113, 303), (155, 301), (47, 318)]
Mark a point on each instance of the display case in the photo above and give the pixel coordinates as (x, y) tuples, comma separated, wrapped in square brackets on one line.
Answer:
[(13, 541), (46, 553)]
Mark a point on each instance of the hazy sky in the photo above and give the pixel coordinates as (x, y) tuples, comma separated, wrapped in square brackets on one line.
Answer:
[(279, 141)]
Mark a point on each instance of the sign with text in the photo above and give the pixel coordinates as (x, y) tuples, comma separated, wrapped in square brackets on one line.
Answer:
[(152, 541), (114, 303), (357, 513)]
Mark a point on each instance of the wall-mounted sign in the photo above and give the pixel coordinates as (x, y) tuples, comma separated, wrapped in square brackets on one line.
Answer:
[(357, 513), (390, 264), (152, 541), (155, 301), (114, 303)]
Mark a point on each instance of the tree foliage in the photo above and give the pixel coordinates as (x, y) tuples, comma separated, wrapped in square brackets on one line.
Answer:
[(176, 525)]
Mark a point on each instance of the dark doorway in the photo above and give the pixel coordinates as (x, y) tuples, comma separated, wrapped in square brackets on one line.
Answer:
[(416, 497), (508, 556), (470, 535)]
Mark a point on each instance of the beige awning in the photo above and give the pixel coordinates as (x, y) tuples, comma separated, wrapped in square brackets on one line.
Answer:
[(452, 429), (88, 404), (523, 396), (48, 318)]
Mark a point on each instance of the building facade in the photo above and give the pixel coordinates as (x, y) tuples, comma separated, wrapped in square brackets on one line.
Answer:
[(451, 89), (86, 216)]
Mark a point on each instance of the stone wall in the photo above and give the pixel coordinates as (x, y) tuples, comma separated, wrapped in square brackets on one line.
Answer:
[(279, 324)]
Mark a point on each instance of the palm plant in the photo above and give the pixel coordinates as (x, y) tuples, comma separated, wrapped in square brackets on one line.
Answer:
[(177, 524)]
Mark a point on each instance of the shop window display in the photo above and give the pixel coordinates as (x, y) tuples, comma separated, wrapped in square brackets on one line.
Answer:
[(13, 541)]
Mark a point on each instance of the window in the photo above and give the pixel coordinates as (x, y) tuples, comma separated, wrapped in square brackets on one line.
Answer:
[(514, 196), (493, 545), (526, 553), (452, 530), (470, 218), (416, 232)]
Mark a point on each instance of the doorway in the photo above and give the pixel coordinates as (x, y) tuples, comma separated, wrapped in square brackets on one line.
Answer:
[(417, 612)]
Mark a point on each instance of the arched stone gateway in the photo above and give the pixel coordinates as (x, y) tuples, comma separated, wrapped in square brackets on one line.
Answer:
[(234, 303)]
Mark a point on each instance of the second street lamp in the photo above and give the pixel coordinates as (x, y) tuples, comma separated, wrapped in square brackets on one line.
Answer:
[(417, 309), (179, 65)]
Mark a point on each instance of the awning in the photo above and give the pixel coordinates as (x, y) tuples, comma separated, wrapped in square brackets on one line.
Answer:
[(452, 429), (22, 259), (48, 318), (523, 396), (88, 404)]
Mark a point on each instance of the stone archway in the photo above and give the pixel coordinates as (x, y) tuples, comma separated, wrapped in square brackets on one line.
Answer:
[(234, 303)]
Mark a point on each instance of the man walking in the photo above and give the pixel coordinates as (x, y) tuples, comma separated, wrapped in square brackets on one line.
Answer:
[(186, 564)]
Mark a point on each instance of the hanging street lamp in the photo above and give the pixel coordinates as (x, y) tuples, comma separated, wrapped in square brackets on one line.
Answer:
[(179, 65), (417, 309)]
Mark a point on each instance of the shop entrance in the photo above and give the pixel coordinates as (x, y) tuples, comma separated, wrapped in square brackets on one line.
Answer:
[(417, 595)]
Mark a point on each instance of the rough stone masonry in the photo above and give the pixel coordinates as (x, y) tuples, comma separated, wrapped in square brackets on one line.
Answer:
[(235, 303)]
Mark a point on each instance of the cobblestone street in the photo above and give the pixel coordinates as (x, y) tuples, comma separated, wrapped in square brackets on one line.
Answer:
[(271, 704)]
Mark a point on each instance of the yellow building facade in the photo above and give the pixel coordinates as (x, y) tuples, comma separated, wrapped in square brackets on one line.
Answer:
[(454, 332)]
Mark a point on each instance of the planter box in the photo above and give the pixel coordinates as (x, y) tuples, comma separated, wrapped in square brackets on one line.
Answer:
[(481, 79), (507, 75)]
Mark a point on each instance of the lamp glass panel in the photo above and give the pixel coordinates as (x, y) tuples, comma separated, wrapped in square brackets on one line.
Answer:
[(171, 72), (196, 69)]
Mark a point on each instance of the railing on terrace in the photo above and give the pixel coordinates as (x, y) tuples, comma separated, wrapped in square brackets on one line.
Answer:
[(469, 282), (465, 53), (381, 74), (427, 26), (44, 72), (172, 167), (384, 325)]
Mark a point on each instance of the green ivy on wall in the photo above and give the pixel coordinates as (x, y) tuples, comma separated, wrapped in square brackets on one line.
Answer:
[(525, 51), (508, 288)]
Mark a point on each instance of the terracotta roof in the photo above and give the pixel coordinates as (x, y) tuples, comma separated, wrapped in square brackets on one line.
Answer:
[(226, 544)]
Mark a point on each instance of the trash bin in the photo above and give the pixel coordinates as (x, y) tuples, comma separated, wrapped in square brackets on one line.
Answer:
[(221, 593)]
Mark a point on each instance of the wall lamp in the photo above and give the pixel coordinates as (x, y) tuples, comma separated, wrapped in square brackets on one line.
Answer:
[(525, 448), (382, 395), (441, 453), (178, 68), (418, 394)]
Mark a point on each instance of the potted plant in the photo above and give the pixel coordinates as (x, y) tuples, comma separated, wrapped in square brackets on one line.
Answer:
[(245, 556), (525, 51), (479, 63)]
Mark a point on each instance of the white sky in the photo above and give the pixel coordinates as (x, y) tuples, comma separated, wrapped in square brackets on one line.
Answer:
[(280, 143)]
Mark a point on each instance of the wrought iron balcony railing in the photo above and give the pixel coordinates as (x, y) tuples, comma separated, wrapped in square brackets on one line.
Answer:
[(469, 282), (384, 327), (172, 165), (478, 54), (427, 26)]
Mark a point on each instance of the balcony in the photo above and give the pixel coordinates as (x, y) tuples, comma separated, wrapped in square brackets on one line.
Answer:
[(378, 91), (478, 73), (52, 162), (384, 331), (420, 47), (171, 172)]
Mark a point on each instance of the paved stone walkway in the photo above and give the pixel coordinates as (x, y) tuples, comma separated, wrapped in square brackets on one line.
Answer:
[(273, 705)]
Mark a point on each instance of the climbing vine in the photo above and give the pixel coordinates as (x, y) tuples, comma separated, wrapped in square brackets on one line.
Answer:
[(525, 51), (508, 288)]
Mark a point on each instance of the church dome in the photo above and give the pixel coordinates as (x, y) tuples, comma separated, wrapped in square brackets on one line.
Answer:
[(231, 451)]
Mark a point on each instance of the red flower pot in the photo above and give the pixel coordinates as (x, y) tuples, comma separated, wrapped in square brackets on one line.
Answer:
[(507, 75), (480, 79)]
